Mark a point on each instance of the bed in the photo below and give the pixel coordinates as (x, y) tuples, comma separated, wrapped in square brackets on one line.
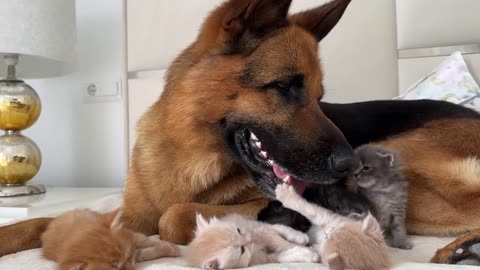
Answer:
[(415, 259)]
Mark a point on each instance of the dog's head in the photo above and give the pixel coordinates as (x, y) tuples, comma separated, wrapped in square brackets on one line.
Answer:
[(253, 76)]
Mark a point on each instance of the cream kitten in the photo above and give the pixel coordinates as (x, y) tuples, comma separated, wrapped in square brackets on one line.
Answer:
[(236, 241), (83, 239), (341, 242)]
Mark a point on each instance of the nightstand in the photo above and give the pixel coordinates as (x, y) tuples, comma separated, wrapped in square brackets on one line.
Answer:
[(53, 202)]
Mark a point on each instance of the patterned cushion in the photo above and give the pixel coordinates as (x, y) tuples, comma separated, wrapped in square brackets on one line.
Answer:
[(450, 81)]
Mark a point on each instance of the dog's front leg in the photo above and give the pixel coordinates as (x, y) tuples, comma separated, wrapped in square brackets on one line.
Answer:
[(178, 223)]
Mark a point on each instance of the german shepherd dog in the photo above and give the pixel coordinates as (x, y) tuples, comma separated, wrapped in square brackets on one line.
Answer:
[(241, 108)]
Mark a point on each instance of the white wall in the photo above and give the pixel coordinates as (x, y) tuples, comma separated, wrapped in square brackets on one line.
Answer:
[(84, 144)]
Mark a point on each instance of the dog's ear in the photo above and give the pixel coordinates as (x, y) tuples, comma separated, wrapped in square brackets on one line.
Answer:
[(242, 22), (263, 16), (319, 21)]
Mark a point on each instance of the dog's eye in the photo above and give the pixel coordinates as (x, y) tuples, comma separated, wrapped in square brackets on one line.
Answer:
[(282, 86), (242, 250)]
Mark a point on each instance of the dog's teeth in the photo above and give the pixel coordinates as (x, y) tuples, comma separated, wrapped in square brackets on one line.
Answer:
[(253, 137), (286, 179), (271, 162), (258, 144), (263, 154)]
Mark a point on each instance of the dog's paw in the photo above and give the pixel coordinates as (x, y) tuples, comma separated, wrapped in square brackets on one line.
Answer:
[(284, 192), (464, 250)]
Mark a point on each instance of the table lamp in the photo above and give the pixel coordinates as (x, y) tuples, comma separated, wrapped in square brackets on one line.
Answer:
[(36, 39)]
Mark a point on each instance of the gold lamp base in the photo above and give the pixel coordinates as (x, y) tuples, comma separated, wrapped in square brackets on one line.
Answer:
[(20, 157), (20, 190)]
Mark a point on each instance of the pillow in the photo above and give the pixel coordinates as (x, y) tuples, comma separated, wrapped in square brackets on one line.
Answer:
[(449, 81)]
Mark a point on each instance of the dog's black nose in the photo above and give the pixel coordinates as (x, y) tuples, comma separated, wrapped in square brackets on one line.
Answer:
[(343, 160)]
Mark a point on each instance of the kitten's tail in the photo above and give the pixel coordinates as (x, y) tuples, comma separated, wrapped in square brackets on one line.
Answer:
[(22, 235)]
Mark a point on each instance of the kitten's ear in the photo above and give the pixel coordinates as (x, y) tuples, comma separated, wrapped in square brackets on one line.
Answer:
[(389, 158), (202, 223), (335, 262), (117, 221), (212, 264), (371, 227)]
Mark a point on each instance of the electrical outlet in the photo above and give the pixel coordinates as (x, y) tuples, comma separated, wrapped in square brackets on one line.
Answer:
[(103, 91)]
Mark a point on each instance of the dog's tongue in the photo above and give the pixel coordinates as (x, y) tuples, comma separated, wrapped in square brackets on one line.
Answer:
[(299, 186)]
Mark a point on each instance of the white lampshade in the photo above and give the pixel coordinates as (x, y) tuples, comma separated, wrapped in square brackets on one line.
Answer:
[(42, 32)]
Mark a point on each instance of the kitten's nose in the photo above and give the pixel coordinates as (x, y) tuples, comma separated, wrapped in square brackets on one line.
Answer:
[(343, 160), (356, 173), (248, 239)]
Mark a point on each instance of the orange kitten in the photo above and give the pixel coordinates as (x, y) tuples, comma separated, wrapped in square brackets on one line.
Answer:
[(83, 239), (341, 242), (356, 246), (236, 241)]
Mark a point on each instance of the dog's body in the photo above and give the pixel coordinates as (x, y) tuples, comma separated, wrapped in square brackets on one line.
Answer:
[(440, 146), (254, 73)]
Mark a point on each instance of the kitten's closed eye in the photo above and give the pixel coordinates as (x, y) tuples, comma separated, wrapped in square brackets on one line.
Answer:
[(238, 230), (242, 250)]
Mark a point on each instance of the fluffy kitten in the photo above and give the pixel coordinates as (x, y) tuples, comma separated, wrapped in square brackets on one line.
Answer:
[(83, 239), (236, 241), (342, 243), (380, 180)]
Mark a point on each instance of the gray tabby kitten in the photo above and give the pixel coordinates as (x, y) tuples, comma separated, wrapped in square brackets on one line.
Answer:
[(380, 179)]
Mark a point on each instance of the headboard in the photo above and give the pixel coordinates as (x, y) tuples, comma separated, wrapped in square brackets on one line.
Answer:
[(430, 30)]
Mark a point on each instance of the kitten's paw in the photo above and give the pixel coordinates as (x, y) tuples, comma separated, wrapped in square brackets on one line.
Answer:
[(301, 239), (160, 250), (298, 238), (357, 216), (174, 250), (298, 254), (284, 192), (401, 244)]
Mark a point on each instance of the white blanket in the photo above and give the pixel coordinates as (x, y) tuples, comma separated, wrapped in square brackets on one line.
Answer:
[(415, 259)]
